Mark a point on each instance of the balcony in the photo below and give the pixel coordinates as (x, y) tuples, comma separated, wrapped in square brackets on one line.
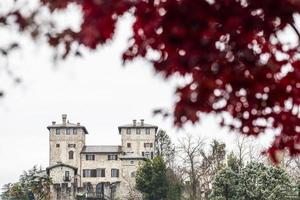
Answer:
[(67, 178)]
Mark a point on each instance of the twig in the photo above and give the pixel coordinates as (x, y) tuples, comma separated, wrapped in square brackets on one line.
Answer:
[(295, 29)]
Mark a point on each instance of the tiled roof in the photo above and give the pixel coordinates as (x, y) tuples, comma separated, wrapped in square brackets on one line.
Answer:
[(67, 125), (132, 157), (102, 149), (59, 165), (137, 125)]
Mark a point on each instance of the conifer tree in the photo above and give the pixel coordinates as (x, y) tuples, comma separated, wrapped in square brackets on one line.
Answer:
[(151, 179)]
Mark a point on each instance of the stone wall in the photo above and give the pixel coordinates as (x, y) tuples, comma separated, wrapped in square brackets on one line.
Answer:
[(137, 140), (62, 189), (61, 153)]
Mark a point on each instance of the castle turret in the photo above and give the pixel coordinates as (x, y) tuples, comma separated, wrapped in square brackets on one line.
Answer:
[(66, 141), (138, 138)]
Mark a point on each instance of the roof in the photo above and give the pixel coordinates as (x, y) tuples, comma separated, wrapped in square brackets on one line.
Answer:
[(41, 173), (61, 165), (132, 157), (102, 149), (137, 125), (68, 125)]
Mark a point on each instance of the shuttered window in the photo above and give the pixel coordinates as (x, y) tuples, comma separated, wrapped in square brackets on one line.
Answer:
[(112, 157), (114, 173), (100, 172)]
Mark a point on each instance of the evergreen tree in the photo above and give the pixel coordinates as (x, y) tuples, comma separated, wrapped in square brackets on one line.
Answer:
[(164, 147), (31, 185), (260, 182), (151, 179), (225, 185), (255, 181), (233, 162)]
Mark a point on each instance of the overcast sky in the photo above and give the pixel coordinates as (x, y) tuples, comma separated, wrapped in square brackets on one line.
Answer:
[(95, 90)]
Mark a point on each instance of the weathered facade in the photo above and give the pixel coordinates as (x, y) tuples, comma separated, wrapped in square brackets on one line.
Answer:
[(79, 171)]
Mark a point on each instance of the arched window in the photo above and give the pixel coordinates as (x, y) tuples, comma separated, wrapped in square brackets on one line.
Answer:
[(71, 154)]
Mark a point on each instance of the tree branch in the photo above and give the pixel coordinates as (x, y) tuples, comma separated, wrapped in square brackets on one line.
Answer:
[(295, 29)]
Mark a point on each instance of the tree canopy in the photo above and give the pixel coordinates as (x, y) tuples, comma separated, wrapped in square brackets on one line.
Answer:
[(164, 147), (151, 179), (32, 184), (229, 48), (254, 181)]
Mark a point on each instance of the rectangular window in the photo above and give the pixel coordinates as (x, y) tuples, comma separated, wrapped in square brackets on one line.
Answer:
[(56, 186), (71, 154), (90, 157), (86, 173), (93, 173), (128, 131), (148, 145), (72, 145), (57, 131), (138, 131), (147, 155), (128, 145), (67, 176), (147, 131), (75, 131), (68, 131), (100, 172), (112, 157), (114, 173), (57, 145), (89, 173)]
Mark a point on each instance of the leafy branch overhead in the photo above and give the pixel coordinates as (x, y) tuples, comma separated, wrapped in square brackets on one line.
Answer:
[(231, 50)]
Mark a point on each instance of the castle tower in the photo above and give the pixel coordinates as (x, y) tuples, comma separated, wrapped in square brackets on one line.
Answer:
[(138, 139), (66, 141)]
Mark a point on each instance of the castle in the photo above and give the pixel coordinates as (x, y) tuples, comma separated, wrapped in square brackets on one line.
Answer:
[(80, 171)]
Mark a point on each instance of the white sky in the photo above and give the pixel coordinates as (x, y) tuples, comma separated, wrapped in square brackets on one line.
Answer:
[(95, 90)]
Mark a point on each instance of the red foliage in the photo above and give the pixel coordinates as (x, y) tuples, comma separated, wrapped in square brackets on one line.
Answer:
[(229, 47)]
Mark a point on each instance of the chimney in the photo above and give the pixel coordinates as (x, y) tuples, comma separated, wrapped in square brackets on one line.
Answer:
[(78, 123), (134, 122), (64, 119), (53, 123), (142, 122)]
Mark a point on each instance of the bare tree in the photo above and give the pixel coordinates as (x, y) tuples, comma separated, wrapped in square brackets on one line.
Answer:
[(248, 150), (291, 165), (189, 151), (241, 150), (133, 193), (212, 161)]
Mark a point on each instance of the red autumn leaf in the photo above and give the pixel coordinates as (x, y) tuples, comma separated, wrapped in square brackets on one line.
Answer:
[(228, 47)]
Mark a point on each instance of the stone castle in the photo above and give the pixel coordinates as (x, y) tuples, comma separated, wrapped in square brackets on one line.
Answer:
[(80, 171)]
